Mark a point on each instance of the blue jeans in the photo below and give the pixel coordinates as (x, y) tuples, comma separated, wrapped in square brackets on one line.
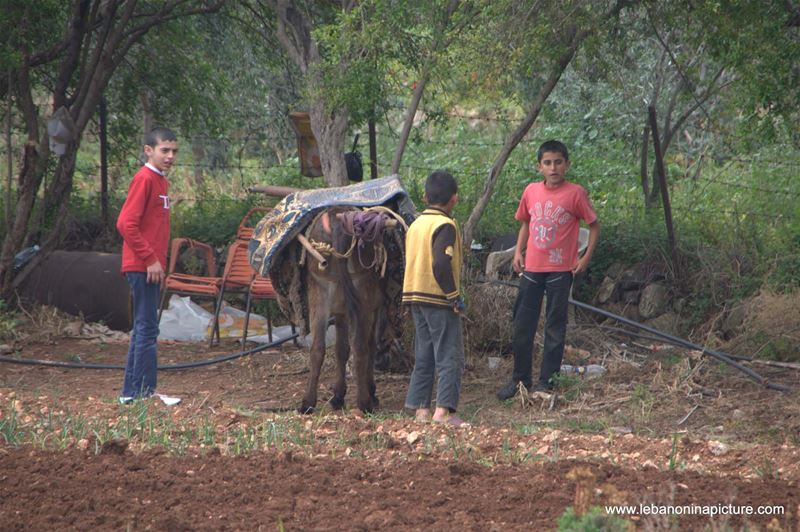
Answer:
[(439, 348), (533, 286), (140, 369)]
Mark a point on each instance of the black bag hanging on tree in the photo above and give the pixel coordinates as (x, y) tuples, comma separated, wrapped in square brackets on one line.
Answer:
[(355, 170)]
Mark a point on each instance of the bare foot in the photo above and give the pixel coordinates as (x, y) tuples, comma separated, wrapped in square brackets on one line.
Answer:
[(443, 416), (452, 420), (422, 415)]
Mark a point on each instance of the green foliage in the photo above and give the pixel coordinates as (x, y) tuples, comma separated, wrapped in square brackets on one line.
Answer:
[(778, 348), (569, 385), (212, 218), (27, 27), (9, 426), (594, 520)]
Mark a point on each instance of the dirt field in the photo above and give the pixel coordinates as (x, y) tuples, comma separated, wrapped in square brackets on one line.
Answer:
[(661, 428)]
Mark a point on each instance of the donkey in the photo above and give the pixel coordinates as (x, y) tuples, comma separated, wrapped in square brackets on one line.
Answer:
[(351, 291)]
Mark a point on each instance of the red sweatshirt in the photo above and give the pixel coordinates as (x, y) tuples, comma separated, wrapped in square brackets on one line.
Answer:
[(144, 222)]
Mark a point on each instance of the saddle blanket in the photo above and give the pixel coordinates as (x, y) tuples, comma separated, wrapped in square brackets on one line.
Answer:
[(294, 212)]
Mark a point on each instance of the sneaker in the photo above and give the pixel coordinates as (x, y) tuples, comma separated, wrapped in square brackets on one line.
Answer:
[(125, 400), (509, 390), (167, 400), (542, 387)]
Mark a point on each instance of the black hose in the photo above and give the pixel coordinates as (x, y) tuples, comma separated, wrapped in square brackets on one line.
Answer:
[(723, 357), (186, 365)]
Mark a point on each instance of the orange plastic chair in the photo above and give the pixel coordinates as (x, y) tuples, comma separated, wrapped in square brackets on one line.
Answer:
[(236, 278), (260, 288), (241, 278), (185, 284), (245, 231)]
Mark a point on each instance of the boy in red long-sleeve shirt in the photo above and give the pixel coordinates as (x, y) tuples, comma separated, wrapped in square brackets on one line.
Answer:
[(143, 223)]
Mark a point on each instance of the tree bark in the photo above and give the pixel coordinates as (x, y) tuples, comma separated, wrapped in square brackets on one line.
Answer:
[(9, 150), (198, 156), (329, 125), (408, 120), (643, 165), (31, 174)]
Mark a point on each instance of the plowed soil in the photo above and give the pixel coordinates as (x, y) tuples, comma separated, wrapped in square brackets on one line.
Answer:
[(620, 439)]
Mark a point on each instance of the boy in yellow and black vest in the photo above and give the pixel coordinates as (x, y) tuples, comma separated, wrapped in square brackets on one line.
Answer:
[(431, 289)]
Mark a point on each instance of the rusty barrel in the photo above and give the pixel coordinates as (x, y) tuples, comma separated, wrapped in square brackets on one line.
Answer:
[(82, 282)]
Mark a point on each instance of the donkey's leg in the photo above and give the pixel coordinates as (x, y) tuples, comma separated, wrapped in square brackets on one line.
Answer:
[(318, 316), (364, 345), (342, 354), (372, 350)]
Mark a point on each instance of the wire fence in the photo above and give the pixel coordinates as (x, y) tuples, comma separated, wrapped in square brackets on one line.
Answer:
[(761, 187)]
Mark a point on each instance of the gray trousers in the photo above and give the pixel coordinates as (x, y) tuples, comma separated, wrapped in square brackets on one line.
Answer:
[(439, 349)]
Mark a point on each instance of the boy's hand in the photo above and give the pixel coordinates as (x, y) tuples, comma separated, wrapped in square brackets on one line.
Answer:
[(459, 307), (155, 273), (518, 263), (581, 266)]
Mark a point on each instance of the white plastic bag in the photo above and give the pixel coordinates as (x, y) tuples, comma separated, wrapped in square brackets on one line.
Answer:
[(184, 321), (231, 323)]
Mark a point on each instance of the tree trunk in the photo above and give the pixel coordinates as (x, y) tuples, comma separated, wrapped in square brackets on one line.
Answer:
[(9, 150), (643, 166), (294, 32), (198, 156), (102, 113), (147, 120), (408, 120), (330, 129), (31, 173)]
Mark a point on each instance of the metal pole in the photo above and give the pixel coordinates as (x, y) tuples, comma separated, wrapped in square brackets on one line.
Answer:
[(103, 117), (373, 150), (9, 160)]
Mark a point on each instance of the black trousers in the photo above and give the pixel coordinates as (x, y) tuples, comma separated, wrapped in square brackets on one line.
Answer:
[(533, 286)]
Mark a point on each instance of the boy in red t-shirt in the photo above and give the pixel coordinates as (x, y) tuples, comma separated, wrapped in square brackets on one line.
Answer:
[(546, 257), (143, 223)]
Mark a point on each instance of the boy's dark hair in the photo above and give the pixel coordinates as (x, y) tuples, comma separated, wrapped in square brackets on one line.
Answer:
[(552, 145), (159, 134), (440, 187)]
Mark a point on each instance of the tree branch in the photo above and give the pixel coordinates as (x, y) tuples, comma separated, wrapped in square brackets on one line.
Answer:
[(440, 43)]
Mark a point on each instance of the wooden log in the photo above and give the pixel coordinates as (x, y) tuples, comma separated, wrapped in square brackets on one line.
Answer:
[(313, 252), (272, 190)]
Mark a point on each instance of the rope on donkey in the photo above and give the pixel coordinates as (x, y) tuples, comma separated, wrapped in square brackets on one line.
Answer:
[(364, 226)]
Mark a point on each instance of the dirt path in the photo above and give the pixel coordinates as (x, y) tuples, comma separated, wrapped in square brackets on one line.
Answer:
[(229, 458)]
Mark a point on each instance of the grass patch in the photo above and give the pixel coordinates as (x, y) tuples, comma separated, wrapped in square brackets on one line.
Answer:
[(570, 386), (591, 426), (595, 519)]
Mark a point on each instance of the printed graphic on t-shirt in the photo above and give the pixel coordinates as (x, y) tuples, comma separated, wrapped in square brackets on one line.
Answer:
[(545, 220), (166, 200)]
